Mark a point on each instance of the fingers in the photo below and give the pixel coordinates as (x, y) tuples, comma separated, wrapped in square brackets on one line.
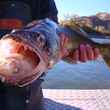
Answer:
[(90, 52), (82, 53), (96, 53), (85, 53)]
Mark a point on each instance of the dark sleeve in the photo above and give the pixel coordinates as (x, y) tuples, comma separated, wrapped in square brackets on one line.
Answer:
[(48, 9)]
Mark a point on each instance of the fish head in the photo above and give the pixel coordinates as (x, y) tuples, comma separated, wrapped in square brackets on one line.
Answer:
[(20, 62), (27, 53)]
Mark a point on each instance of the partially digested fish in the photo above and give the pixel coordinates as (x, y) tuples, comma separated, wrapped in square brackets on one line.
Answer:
[(28, 52)]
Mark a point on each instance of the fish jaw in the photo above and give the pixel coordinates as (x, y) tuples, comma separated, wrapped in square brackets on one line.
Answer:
[(18, 61)]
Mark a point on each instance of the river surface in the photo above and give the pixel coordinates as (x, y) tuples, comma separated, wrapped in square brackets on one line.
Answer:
[(90, 75)]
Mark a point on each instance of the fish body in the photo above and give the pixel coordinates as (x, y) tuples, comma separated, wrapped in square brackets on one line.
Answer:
[(29, 52)]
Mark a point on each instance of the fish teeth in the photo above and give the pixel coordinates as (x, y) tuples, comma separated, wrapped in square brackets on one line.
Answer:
[(2, 78), (30, 48), (25, 47), (16, 70)]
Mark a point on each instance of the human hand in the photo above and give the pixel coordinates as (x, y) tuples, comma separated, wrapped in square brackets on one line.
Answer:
[(85, 52)]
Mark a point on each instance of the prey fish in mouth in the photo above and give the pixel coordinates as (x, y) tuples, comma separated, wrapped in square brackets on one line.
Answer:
[(25, 54)]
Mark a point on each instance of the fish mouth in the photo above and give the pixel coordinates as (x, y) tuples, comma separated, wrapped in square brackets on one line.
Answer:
[(22, 65)]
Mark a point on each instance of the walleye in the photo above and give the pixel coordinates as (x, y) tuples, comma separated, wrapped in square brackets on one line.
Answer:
[(25, 54)]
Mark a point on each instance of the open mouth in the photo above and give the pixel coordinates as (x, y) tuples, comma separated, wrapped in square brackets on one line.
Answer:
[(17, 59), (28, 53)]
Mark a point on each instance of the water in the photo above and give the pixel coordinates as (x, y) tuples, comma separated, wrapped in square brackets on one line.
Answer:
[(90, 75)]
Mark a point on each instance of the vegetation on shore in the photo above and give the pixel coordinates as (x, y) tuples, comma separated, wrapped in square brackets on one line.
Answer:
[(97, 23)]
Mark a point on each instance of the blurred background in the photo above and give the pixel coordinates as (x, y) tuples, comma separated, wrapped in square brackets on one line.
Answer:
[(90, 75)]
